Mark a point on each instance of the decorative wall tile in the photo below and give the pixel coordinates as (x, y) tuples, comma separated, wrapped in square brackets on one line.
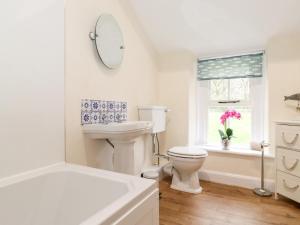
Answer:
[(117, 106), (95, 117), (110, 106), (98, 111), (86, 105), (110, 117), (103, 117), (118, 116), (124, 106), (95, 105), (85, 117), (123, 116), (103, 106)]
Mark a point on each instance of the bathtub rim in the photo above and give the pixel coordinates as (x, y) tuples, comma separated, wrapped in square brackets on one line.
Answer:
[(138, 188)]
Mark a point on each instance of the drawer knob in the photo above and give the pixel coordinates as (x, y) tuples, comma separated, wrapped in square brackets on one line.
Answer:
[(294, 188), (290, 142), (292, 167)]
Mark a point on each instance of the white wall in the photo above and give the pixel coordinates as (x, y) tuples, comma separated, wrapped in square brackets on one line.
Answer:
[(176, 86), (31, 84), (283, 55), (86, 76)]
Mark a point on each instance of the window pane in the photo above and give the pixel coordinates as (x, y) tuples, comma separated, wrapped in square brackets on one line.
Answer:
[(219, 90), (241, 128), (239, 89), (214, 124), (230, 89)]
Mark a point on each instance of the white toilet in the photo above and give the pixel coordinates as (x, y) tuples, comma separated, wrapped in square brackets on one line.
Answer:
[(186, 162)]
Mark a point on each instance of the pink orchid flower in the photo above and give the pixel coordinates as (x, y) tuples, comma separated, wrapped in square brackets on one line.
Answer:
[(229, 114), (227, 133)]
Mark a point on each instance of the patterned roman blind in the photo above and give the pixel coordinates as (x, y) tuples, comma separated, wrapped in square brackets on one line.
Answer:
[(244, 66)]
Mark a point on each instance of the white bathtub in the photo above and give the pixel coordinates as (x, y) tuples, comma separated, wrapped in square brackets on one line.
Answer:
[(65, 194)]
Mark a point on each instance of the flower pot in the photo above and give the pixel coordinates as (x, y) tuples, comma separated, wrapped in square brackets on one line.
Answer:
[(225, 143)]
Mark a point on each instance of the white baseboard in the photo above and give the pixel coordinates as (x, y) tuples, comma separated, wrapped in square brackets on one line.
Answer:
[(235, 179)]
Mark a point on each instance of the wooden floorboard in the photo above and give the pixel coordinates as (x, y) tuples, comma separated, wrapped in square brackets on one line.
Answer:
[(224, 205)]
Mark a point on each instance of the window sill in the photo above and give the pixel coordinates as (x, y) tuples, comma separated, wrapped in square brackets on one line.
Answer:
[(237, 151)]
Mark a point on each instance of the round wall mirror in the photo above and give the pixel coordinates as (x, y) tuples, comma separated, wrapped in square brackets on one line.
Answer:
[(109, 41)]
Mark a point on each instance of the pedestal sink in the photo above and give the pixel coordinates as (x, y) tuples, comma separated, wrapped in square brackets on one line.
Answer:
[(122, 138)]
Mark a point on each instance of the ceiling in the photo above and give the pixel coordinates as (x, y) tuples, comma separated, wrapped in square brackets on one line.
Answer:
[(214, 27)]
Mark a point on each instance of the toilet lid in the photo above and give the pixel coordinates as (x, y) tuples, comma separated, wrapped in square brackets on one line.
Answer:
[(187, 152)]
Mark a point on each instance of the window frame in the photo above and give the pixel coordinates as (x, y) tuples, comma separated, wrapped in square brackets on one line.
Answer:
[(257, 92)]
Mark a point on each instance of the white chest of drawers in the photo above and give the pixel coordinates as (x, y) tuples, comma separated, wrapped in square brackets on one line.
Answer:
[(288, 160)]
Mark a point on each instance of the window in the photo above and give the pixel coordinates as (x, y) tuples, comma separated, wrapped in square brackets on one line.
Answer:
[(227, 85)]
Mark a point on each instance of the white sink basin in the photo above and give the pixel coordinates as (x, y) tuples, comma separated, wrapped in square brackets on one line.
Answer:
[(117, 131)]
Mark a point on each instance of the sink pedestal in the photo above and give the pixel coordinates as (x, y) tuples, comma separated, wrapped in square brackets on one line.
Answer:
[(123, 156)]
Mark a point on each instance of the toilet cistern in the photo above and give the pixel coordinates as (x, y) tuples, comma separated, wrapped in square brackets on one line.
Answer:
[(157, 115)]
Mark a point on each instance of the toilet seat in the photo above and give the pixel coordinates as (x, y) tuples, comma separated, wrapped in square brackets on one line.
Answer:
[(187, 152)]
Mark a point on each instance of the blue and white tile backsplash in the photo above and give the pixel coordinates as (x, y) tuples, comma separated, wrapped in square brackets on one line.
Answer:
[(98, 111)]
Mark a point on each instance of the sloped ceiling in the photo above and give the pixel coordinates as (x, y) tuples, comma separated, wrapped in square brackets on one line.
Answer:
[(213, 27)]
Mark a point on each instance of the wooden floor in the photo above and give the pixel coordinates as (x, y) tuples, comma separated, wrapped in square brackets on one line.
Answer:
[(224, 205)]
